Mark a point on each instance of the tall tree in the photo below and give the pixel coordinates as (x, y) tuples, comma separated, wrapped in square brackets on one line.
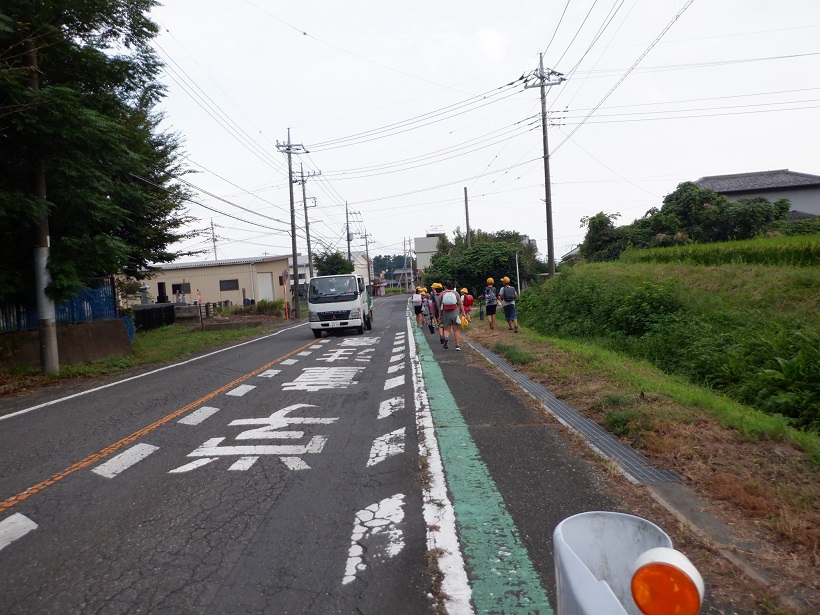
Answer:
[(332, 263), (112, 203)]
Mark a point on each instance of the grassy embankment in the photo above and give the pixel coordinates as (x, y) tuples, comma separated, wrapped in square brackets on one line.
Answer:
[(688, 355)]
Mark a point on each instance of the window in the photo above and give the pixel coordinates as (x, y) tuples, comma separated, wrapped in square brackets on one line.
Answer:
[(228, 285), (184, 288)]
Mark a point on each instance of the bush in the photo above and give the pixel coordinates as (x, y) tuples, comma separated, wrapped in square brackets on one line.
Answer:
[(751, 335)]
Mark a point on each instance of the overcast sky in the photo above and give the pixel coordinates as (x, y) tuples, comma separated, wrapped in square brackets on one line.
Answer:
[(401, 105)]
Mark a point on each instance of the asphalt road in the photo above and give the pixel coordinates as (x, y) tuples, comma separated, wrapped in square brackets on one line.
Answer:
[(283, 476)]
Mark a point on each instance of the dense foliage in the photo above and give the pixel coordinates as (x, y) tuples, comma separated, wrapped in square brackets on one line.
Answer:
[(750, 331), (795, 251), (689, 214), (91, 123), (490, 255)]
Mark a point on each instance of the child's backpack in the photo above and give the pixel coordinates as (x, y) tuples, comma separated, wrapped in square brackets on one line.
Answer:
[(508, 293), (417, 299), (449, 300)]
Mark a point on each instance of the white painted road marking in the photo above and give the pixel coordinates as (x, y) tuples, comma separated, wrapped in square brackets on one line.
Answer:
[(241, 390), (289, 362), (14, 527), (385, 446), (124, 460), (397, 357), (317, 378), (394, 368), (197, 416), (390, 406), (360, 341), (437, 508), (243, 463), (197, 463), (277, 420), (304, 353), (211, 448), (269, 373), (392, 383), (377, 527)]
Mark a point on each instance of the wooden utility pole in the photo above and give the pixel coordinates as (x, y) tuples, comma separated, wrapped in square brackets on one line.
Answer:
[(289, 148), (46, 314)]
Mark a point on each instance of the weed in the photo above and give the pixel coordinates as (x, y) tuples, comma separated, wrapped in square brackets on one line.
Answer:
[(516, 355)]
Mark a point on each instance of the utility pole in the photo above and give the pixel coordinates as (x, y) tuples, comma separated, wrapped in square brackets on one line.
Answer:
[(213, 238), (545, 79), (347, 230), (367, 256), (307, 222), (467, 211), (46, 314), (289, 148)]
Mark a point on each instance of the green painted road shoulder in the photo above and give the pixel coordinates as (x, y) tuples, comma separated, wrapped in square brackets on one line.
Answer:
[(501, 573)]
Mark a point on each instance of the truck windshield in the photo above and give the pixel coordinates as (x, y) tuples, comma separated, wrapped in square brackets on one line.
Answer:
[(333, 288)]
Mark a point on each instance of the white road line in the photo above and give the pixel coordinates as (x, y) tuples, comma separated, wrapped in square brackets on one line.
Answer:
[(394, 368), (397, 357), (437, 507), (241, 390), (124, 460), (288, 362), (392, 383), (390, 406), (269, 373), (385, 446), (14, 527), (197, 416), (304, 353), (156, 371)]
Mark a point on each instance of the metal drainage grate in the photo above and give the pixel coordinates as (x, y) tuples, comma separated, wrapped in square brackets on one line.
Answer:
[(632, 463)]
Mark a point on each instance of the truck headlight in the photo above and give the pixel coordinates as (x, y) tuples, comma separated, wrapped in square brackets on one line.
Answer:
[(313, 316)]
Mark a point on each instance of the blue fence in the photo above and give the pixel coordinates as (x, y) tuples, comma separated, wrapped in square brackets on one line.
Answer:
[(97, 301)]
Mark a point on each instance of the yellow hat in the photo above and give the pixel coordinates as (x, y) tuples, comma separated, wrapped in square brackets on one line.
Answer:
[(505, 279), (490, 281), (463, 291)]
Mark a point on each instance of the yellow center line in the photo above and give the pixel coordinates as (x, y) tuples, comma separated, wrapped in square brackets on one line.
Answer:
[(15, 499)]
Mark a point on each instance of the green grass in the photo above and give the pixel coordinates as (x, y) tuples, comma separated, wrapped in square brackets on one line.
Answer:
[(161, 345), (793, 251), (749, 331), (514, 354), (641, 376)]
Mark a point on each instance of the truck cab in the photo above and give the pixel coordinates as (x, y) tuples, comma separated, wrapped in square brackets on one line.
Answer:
[(338, 302)]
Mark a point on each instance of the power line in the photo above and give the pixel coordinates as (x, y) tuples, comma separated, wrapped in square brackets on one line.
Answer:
[(626, 74)]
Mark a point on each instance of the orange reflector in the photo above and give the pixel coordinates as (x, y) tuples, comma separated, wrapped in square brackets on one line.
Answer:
[(661, 589)]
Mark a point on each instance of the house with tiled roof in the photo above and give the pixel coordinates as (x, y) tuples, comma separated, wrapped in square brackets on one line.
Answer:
[(801, 189)]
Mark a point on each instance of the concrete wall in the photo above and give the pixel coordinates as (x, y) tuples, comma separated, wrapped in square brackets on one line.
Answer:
[(78, 343)]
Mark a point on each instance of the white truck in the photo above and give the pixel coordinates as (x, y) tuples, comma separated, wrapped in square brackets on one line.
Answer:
[(338, 302)]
